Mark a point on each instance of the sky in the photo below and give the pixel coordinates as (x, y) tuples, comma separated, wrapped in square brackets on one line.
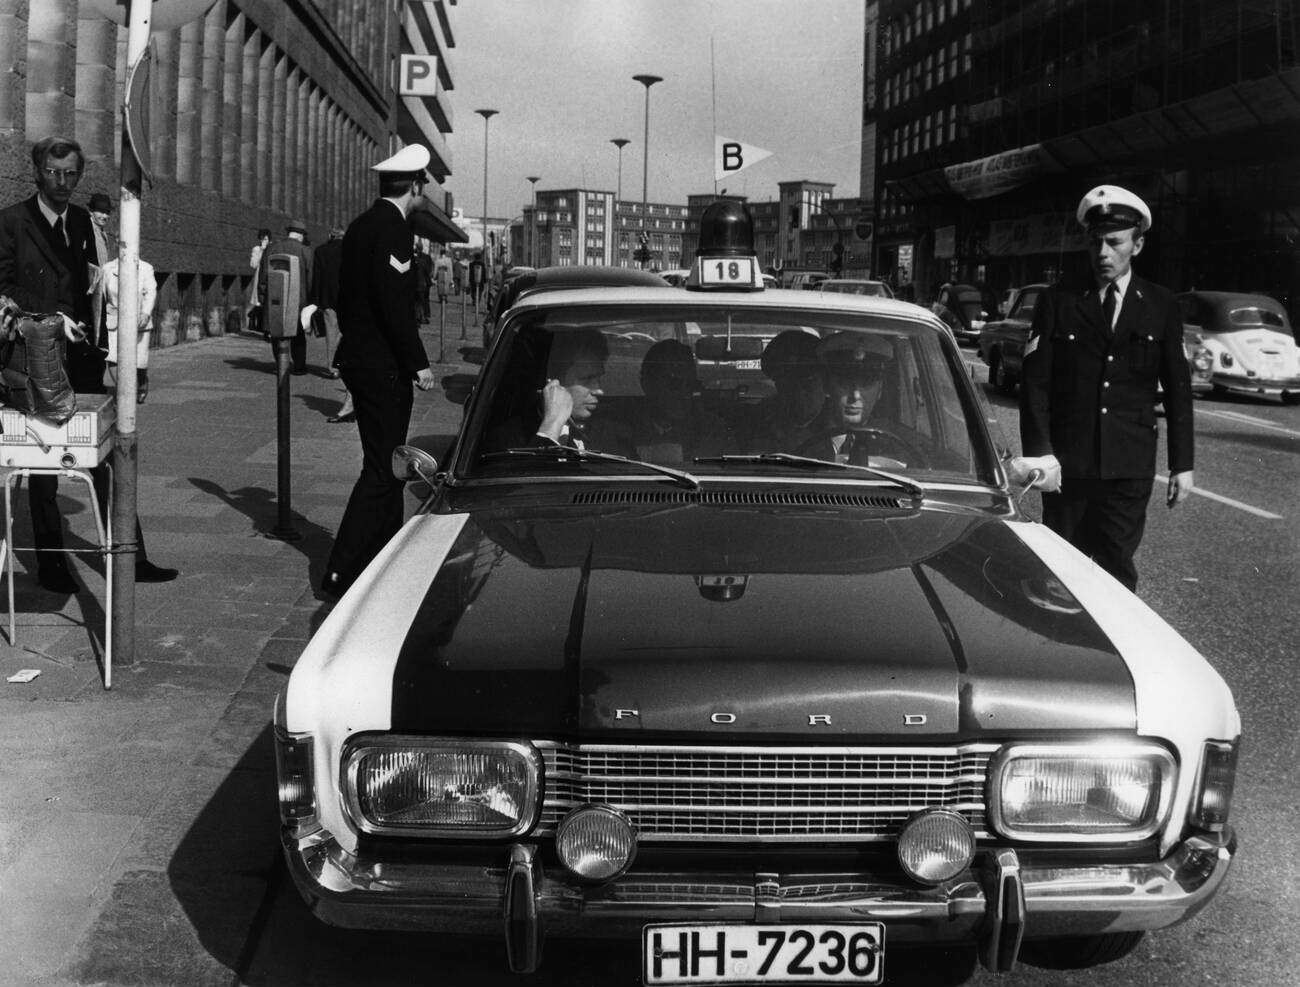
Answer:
[(778, 75)]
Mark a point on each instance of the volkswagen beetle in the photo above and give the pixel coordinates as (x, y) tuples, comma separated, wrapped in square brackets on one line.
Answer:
[(1247, 341), (763, 674)]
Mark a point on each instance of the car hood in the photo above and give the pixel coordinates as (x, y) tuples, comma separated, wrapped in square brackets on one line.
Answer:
[(705, 622)]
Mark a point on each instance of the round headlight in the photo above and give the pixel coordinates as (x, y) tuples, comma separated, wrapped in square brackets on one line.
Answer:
[(936, 845), (595, 842)]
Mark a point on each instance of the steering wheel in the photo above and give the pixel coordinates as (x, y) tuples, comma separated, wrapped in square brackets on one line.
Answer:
[(882, 439), (913, 454)]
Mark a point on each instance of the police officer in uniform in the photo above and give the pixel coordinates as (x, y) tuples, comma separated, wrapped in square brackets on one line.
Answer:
[(1093, 362), (380, 354)]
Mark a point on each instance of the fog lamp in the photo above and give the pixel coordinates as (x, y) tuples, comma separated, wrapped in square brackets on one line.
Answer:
[(595, 842), (936, 845)]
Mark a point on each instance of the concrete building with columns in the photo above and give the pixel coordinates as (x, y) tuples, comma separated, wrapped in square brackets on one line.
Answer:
[(259, 111)]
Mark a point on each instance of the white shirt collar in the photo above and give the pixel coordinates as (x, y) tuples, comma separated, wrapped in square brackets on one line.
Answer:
[(49, 214), (1121, 285)]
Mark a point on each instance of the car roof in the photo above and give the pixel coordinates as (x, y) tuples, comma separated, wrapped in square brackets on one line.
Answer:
[(851, 281), (1236, 299), (588, 275), (771, 298)]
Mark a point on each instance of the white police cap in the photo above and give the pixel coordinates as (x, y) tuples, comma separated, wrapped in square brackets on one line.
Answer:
[(1109, 207), (410, 160)]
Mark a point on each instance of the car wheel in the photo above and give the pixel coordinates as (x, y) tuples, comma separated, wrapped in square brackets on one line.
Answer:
[(1218, 390), (1079, 952), (1291, 397)]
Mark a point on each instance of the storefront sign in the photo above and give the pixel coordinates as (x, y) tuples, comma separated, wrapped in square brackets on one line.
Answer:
[(999, 173), (1041, 233)]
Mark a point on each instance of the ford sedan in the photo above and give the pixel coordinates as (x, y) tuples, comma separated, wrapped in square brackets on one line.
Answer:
[(764, 684)]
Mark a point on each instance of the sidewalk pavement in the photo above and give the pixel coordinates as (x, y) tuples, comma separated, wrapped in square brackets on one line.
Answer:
[(116, 866)]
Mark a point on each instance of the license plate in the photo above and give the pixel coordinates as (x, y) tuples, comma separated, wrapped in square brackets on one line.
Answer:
[(770, 954)]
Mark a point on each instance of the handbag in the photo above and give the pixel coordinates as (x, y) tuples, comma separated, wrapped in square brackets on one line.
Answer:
[(33, 376)]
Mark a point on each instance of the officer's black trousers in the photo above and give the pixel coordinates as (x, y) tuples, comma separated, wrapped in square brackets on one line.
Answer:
[(382, 400), (1103, 519)]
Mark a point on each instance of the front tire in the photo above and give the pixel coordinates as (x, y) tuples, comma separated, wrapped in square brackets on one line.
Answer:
[(1079, 952), (1291, 397), (1002, 382)]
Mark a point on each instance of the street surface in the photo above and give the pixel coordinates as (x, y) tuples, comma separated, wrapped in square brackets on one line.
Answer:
[(138, 828)]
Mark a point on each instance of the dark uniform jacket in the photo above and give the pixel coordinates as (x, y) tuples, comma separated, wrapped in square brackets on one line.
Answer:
[(376, 286), (44, 276), (1088, 395)]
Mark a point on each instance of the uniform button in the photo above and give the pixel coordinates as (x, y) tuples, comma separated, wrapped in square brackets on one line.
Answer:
[(1110, 359), (1105, 383), (1103, 411)]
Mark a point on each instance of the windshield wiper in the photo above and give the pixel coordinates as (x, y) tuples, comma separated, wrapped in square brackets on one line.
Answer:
[(566, 453), (789, 459)]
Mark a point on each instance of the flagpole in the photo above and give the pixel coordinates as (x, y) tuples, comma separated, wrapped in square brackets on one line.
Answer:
[(713, 83)]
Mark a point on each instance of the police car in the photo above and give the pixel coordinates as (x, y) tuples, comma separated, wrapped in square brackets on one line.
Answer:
[(761, 672)]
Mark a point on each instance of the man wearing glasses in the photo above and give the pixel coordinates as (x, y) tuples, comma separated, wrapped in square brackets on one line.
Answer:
[(47, 248)]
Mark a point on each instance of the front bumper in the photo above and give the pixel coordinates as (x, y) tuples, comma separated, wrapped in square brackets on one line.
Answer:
[(994, 904), (1240, 384)]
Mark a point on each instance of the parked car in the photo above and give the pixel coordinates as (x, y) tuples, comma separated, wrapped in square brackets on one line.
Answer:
[(1002, 342), (856, 286), (1249, 341), (965, 308), (529, 280), (803, 280), (739, 708)]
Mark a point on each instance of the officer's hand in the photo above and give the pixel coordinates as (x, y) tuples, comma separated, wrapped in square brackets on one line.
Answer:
[(1180, 488), (557, 406), (424, 379), (1020, 468)]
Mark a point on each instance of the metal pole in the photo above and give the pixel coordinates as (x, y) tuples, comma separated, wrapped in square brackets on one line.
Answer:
[(125, 461), (620, 143), (487, 254), (647, 81), (284, 529), (532, 225)]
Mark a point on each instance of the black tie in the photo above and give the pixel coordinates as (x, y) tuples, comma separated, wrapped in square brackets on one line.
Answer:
[(1108, 306), (58, 231)]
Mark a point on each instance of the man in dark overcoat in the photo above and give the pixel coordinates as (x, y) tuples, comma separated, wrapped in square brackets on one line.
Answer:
[(47, 249), (380, 355), (1095, 360)]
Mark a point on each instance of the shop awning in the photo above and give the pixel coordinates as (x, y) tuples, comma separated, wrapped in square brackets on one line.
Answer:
[(431, 222)]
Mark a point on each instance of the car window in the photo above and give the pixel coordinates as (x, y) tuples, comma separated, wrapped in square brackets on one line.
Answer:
[(919, 402), (1251, 317), (1025, 304)]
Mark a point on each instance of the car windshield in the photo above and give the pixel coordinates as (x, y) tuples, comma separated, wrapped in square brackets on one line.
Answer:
[(1253, 317), (857, 288), (712, 389)]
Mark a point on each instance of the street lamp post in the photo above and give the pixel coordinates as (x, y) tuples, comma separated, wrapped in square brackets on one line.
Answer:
[(487, 254), (620, 143), (647, 81), (532, 225)]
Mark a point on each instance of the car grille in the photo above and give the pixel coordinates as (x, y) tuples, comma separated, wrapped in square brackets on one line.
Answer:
[(740, 794)]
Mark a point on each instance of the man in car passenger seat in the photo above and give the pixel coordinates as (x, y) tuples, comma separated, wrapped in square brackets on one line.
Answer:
[(855, 364), (1093, 364), (669, 428), (791, 420)]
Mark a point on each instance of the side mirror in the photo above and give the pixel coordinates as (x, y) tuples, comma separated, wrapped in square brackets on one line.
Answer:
[(410, 463)]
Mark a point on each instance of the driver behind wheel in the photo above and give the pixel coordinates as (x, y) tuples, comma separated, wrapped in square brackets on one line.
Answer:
[(856, 365)]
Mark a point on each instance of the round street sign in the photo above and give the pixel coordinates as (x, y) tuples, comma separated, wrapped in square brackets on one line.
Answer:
[(863, 229), (165, 15)]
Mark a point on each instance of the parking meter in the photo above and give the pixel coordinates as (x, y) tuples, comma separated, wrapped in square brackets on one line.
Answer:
[(284, 279)]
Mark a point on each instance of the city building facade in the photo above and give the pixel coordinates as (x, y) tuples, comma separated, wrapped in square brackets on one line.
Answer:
[(259, 112), (591, 227), (992, 118)]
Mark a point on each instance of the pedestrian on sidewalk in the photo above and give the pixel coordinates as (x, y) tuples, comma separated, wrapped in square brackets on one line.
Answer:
[(379, 356), (46, 249), (253, 313), (325, 292), (442, 276), (292, 244), (147, 289)]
